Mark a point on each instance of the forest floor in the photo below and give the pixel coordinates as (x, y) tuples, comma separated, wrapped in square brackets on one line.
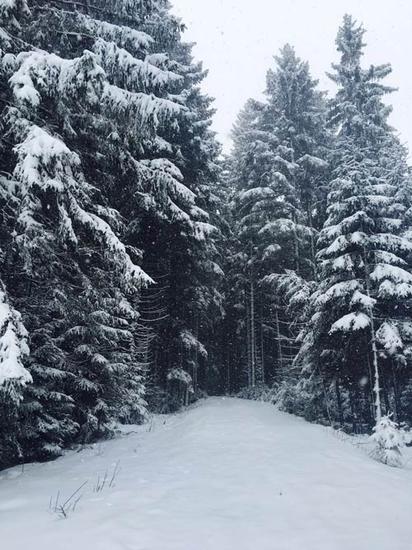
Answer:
[(226, 474)]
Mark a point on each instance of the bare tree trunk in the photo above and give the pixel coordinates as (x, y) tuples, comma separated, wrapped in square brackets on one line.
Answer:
[(339, 400), (196, 364), (296, 243), (279, 344), (398, 408), (353, 413), (370, 389), (376, 387), (385, 397), (252, 330), (248, 346), (262, 349), (312, 242), (228, 380)]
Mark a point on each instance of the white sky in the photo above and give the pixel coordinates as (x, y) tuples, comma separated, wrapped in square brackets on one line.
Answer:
[(236, 40)]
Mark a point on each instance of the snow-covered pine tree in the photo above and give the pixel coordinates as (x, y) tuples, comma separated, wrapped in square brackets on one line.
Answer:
[(13, 350), (277, 159), (13, 335), (13, 377), (299, 111), (180, 247), (389, 439), (360, 329), (233, 351), (86, 115), (247, 164)]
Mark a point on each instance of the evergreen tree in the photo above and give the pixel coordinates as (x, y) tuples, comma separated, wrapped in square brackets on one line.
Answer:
[(181, 248), (278, 163), (360, 310), (13, 376), (103, 127)]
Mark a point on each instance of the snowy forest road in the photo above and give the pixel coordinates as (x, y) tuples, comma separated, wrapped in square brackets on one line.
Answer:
[(226, 474)]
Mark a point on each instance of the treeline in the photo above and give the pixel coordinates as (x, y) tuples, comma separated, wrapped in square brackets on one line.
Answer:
[(320, 263), (139, 269), (109, 241)]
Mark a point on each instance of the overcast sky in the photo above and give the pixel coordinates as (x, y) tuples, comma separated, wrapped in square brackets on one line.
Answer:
[(236, 40)]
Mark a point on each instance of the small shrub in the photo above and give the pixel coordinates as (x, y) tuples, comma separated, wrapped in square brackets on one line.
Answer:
[(389, 439)]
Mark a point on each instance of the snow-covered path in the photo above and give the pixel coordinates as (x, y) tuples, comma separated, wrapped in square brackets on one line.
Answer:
[(226, 475)]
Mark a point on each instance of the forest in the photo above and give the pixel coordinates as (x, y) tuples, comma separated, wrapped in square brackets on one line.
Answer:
[(142, 269)]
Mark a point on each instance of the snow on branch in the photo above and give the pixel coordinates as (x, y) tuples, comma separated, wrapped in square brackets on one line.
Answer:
[(202, 230), (191, 343), (285, 226), (144, 110), (46, 165), (41, 73), (9, 9), (391, 243), (310, 162), (348, 224), (133, 275), (257, 193), (388, 336), (125, 37), (361, 299), (338, 246), (134, 74), (164, 178), (343, 263), (389, 289), (180, 375), (351, 322), (164, 184), (392, 272), (384, 257), (339, 290), (271, 251)]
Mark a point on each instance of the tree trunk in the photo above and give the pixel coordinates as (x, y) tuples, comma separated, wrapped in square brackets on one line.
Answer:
[(248, 346), (398, 408), (312, 243), (339, 400), (353, 413), (262, 349), (252, 331), (376, 387), (279, 345)]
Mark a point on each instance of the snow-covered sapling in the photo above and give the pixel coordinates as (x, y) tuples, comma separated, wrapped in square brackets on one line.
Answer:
[(389, 439)]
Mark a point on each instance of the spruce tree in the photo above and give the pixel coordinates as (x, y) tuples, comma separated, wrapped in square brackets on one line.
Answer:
[(360, 310), (97, 106), (181, 248), (277, 159)]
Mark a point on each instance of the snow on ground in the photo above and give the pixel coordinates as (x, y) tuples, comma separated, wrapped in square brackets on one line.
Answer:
[(225, 475)]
